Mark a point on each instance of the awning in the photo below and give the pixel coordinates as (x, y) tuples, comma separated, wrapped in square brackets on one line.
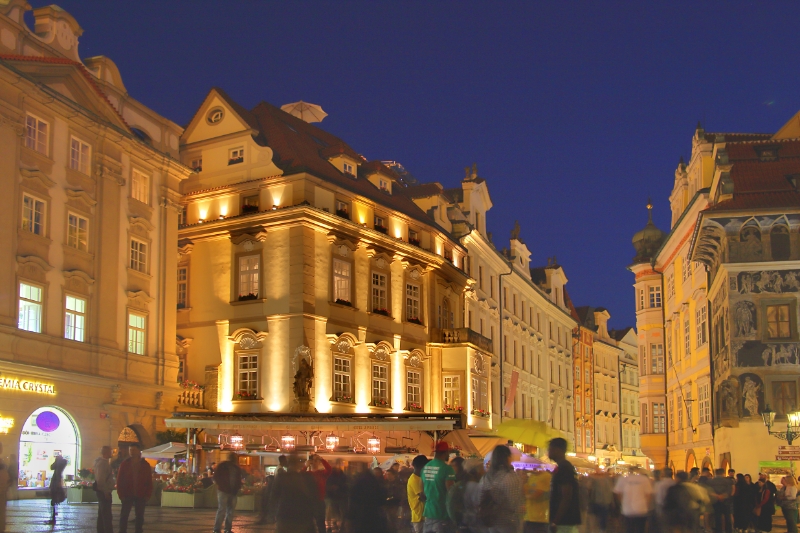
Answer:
[(165, 451), (487, 443), (530, 432), (460, 438), (317, 422)]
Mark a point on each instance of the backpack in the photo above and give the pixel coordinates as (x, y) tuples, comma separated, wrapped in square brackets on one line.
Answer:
[(455, 502)]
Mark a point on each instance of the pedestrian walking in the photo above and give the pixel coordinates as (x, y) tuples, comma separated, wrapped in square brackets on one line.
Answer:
[(4, 482), (565, 512), (134, 488), (57, 492), (103, 485), (660, 489), (502, 497), (437, 478), (537, 502), (721, 494), (787, 499), (472, 495), (635, 493), (367, 507), (228, 479), (682, 506), (601, 499), (336, 492), (294, 495)]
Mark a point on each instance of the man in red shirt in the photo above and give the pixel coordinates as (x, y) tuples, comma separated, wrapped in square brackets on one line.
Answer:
[(134, 487), (321, 470)]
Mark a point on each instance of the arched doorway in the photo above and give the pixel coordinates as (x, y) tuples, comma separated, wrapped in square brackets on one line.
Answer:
[(48, 432), (708, 464), (691, 462)]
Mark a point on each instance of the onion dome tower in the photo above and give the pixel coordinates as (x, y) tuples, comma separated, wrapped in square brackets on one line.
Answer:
[(648, 240)]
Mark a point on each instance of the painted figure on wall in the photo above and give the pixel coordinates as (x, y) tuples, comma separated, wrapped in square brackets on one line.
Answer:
[(744, 318), (750, 392), (784, 397), (728, 398)]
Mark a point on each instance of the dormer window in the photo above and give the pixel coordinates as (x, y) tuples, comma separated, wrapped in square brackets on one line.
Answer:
[(794, 180), (236, 156), (383, 184), (197, 164), (215, 116), (347, 168), (767, 153), (726, 184), (250, 204)]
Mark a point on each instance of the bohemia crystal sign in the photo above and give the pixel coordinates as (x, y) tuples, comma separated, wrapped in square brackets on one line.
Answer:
[(26, 385)]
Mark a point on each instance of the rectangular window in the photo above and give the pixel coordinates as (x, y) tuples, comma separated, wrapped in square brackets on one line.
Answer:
[(645, 424), (778, 323), (670, 286), (249, 271), (236, 156), (656, 358), (248, 375), (379, 222), (452, 392), (700, 318), (414, 389), (341, 379), (671, 415), (475, 393), (589, 441), (79, 155), (33, 214), (196, 164), (679, 410), (491, 286), (342, 209), (341, 281), (412, 302), (140, 187), (30, 308), (77, 232), (75, 318), (250, 204), (655, 296), (348, 169), (588, 407), (687, 268), (379, 292), (183, 286), (705, 403), (641, 298), (136, 333), (686, 348), (138, 256), (413, 237), (36, 134), (380, 384)]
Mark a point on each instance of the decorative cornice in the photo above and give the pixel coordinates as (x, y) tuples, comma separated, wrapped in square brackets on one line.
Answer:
[(36, 174), (80, 274), (81, 196), (32, 259), (141, 222)]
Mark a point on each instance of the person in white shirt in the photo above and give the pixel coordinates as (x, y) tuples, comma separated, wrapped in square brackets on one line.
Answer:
[(660, 489), (635, 493)]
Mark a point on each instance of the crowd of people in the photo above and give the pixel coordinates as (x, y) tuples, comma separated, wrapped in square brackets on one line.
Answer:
[(450, 494)]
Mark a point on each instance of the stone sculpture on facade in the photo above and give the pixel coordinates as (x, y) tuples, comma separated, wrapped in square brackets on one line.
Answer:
[(744, 318), (728, 398), (303, 378), (750, 391)]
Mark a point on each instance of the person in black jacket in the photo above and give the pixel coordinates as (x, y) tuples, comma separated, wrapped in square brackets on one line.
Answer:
[(228, 478), (335, 499), (57, 492), (295, 498), (367, 510)]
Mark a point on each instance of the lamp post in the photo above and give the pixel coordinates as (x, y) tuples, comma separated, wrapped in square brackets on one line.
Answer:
[(792, 425)]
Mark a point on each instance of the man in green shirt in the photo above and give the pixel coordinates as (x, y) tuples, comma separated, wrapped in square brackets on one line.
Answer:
[(437, 478)]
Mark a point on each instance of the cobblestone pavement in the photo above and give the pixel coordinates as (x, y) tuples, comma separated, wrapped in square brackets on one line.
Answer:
[(31, 516)]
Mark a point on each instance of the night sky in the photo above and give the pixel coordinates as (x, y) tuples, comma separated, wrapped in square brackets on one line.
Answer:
[(575, 112)]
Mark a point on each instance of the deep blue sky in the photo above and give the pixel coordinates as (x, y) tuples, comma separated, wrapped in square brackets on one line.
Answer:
[(575, 112)]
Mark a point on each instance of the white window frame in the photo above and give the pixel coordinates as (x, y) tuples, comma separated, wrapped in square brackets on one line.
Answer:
[(140, 186), (30, 306), (686, 338), (37, 134), (380, 382), (704, 399), (34, 214), (656, 358), (80, 155), (137, 333), (451, 390), (413, 387), (379, 291), (75, 318), (413, 299), (249, 275), (342, 280), (347, 168), (342, 378), (378, 221), (77, 231), (247, 373), (138, 255), (234, 155), (654, 297), (196, 164), (700, 322), (182, 300)]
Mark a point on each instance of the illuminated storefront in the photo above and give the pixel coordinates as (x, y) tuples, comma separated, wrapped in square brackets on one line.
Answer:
[(49, 432)]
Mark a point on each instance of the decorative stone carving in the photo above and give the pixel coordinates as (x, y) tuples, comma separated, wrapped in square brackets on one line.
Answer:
[(414, 360), (343, 250), (159, 400), (247, 246), (343, 346), (380, 262), (381, 353), (752, 394), (249, 343), (303, 377), (35, 174), (478, 365), (414, 274), (744, 319), (116, 394)]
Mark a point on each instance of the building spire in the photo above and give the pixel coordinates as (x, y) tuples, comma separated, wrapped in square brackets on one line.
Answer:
[(649, 211)]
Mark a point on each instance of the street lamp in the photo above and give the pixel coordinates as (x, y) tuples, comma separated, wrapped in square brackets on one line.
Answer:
[(792, 425)]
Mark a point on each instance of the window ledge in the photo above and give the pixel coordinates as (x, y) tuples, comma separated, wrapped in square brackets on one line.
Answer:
[(23, 233), (388, 317), (343, 306), (248, 401), (386, 408), (36, 153), (143, 275), (75, 251), (245, 302), (414, 324), (184, 309)]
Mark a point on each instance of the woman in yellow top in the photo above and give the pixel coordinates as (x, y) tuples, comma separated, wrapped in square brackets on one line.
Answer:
[(537, 502)]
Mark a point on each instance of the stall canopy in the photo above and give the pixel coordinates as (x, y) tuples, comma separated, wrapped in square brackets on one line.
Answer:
[(530, 432), (165, 451), (486, 443)]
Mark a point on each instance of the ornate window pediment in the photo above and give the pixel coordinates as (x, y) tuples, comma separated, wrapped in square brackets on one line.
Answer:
[(34, 175), (77, 281), (249, 238), (32, 267), (79, 195), (247, 339), (139, 299)]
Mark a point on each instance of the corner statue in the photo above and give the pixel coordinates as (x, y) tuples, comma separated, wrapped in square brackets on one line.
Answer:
[(302, 381)]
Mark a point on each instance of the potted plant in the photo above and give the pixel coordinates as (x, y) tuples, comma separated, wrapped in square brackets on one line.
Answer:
[(191, 385), (382, 229), (82, 491), (184, 490), (414, 406), (380, 402), (415, 320), (249, 296), (384, 312), (481, 412), (342, 398), (343, 302), (249, 209), (343, 213), (244, 395), (453, 408), (415, 242)]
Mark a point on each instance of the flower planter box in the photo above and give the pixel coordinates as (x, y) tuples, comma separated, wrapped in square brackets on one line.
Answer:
[(182, 499), (246, 502), (81, 495), (154, 501)]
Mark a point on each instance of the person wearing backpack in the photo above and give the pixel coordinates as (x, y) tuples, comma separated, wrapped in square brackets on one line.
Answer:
[(437, 478), (502, 498)]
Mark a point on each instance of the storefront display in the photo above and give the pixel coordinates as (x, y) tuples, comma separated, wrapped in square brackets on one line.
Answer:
[(47, 433)]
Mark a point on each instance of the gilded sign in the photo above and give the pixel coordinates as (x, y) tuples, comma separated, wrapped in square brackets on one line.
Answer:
[(25, 385)]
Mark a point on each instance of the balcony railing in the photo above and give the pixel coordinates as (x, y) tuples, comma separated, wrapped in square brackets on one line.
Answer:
[(191, 398), (458, 335)]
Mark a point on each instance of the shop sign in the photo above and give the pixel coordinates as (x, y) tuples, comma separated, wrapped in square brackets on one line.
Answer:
[(6, 424), (25, 385), (787, 457)]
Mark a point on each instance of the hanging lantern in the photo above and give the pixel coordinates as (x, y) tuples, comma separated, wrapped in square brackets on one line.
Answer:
[(287, 442), (236, 442), (331, 442), (373, 444)]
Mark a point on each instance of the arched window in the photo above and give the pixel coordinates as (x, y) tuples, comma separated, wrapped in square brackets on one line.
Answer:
[(142, 135), (779, 242)]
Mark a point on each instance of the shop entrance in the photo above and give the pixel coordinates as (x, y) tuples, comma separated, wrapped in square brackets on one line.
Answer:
[(47, 433)]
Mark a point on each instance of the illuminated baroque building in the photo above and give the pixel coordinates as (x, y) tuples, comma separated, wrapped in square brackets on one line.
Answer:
[(91, 183)]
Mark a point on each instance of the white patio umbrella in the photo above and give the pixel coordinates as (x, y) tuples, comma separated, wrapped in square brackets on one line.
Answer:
[(305, 111), (165, 451)]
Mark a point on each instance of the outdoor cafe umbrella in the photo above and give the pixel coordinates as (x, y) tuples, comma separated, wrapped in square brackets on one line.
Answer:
[(305, 111), (165, 451)]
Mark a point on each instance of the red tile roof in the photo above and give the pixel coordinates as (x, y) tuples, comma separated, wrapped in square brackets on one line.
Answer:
[(64, 61), (737, 137), (762, 184), (423, 190)]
